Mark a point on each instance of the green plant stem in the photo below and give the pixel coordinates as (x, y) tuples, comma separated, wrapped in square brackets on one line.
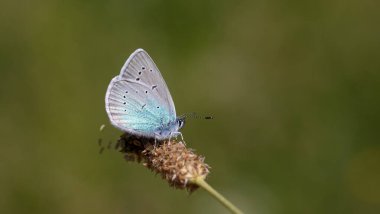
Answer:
[(202, 183)]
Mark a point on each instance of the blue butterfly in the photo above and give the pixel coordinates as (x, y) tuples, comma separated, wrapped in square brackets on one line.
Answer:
[(139, 102)]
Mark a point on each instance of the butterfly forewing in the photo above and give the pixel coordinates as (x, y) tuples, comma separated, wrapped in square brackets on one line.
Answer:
[(141, 68)]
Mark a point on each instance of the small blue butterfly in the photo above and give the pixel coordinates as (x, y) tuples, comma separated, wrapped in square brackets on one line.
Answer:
[(139, 102)]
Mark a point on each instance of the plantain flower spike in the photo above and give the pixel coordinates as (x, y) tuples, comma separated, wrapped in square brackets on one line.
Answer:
[(175, 163)]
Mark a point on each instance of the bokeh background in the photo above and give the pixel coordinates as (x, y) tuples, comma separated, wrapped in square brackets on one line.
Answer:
[(294, 87)]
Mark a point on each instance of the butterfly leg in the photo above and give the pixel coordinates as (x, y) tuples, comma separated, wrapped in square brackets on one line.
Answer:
[(155, 142), (181, 136), (170, 137), (176, 136)]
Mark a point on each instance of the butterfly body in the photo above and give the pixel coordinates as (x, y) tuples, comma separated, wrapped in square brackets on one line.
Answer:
[(139, 102)]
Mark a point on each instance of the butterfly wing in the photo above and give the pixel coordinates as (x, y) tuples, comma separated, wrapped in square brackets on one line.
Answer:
[(138, 100)]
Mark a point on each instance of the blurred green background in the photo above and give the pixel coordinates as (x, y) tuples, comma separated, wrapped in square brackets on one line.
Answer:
[(294, 87)]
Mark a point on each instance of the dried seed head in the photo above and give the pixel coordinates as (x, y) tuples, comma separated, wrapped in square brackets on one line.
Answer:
[(132, 147), (172, 160)]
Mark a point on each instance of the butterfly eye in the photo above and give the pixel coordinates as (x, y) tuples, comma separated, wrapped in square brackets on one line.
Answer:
[(180, 123)]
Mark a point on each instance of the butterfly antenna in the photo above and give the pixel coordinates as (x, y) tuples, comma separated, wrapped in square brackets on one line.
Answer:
[(194, 115)]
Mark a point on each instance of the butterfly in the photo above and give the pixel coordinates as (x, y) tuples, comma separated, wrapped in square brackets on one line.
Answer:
[(139, 102)]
